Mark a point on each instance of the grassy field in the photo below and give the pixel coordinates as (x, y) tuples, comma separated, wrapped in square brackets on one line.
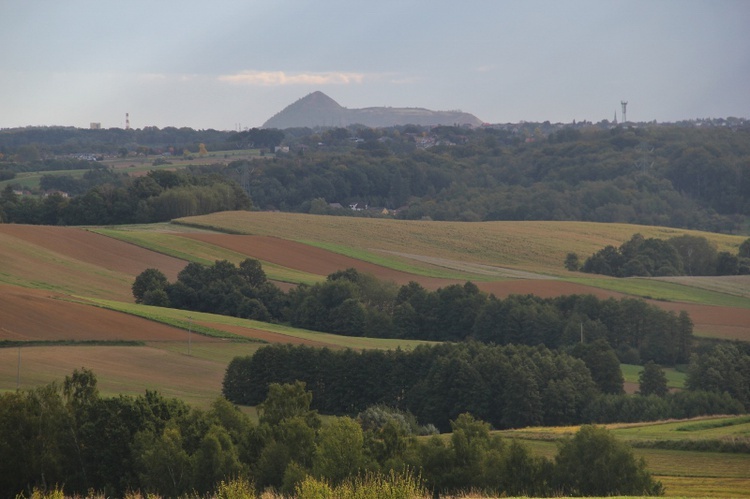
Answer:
[(675, 378), (683, 473), (539, 245), (536, 247)]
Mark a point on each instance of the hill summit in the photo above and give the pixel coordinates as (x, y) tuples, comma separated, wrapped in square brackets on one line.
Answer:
[(317, 109)]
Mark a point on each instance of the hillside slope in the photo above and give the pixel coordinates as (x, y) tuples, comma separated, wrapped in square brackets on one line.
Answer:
[(319, 110)]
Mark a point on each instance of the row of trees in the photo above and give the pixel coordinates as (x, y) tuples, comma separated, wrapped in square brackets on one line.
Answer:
[(507, 386), (70, 437), (159, 196), (17, 143), (680, 255), (357, 304)]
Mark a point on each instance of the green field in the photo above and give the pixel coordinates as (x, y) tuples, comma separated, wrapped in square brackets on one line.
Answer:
[(675, 378), (683, 473)]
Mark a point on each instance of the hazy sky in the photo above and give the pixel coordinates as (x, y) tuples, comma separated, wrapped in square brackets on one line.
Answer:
[(220, 63)]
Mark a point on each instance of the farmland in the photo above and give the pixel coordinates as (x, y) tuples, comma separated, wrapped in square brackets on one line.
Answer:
[(683, 473), (64, 275), (66, 302)]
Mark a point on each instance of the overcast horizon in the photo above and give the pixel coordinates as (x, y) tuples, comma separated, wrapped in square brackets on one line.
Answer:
[(229, 64)]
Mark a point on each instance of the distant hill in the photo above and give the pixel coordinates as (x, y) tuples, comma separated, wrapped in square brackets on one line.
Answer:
[(317, 109)]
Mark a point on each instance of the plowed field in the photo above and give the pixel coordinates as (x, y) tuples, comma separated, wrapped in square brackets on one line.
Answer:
[(35, 315), (46, 274)]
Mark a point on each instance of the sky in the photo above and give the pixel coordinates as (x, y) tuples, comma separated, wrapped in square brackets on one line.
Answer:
[(226, 64)]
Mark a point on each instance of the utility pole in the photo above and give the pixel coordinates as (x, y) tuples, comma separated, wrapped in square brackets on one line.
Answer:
[(190, 327), (18, 371)]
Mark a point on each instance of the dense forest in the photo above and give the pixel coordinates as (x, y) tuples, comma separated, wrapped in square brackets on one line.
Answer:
[(507, 386), (70, 438), (159, 196), (357, 304), (672, 175)]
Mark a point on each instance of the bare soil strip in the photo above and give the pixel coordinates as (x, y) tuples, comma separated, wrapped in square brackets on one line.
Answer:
[(35, 315)]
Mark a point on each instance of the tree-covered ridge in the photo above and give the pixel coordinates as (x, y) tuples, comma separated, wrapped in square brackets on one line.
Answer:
[(356, 304), (107, 198), (669, 175), (70, 438), (651, 175), (680, 255)]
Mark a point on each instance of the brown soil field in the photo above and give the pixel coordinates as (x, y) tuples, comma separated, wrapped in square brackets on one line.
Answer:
[(308, 258), (77, 261), (29, 314)]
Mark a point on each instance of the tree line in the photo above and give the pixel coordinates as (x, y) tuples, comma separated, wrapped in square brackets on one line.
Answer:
[(651, 257), (507, 386), (357, 304), (159, 196), (69, 438), (670, 175), (24, 145)]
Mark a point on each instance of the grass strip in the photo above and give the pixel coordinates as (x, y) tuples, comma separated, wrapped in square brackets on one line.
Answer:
[(710, 424), (183, 321), (664, 291), (394, 264)]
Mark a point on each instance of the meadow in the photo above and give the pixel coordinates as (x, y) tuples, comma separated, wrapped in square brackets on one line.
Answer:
[(684, 473), (66, 302)]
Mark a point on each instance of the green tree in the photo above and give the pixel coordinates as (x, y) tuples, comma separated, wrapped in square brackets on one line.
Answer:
[(252, 272), (216, 459), (744, 250), (340, 450), (572, 262), (163, 464), (727, 264), (698, 254), (150, 280), (652, 380), (604, 365), (595, 463), (285, 401)]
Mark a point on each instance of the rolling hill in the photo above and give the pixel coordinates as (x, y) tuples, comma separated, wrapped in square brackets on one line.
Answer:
[(66, 302)]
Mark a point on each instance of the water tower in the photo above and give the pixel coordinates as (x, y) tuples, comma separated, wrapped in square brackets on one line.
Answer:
[(624, 104)]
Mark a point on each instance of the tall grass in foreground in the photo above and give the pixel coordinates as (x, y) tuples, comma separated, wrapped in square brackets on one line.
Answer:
[(370, 486)]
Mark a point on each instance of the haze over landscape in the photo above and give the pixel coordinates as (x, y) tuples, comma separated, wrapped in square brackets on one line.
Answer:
[(226, 64)]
